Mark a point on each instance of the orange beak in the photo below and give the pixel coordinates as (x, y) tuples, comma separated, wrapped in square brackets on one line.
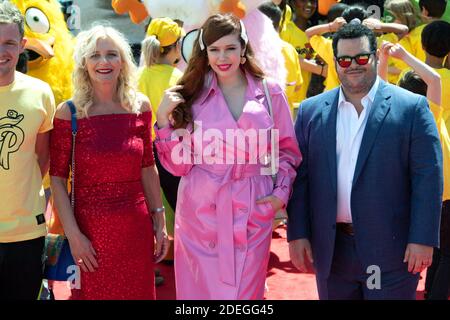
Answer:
[(44, 48)]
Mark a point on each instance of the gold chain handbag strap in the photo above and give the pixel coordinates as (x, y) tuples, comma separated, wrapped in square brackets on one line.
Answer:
[(74, 134)]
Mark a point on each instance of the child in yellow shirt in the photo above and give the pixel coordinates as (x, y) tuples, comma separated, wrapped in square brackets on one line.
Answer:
[(406, 13), (294, 33), (323, 46), (294, 78), (161, 51)]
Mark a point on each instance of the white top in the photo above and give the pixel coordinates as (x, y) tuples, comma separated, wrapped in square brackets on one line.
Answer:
[(349, 134)]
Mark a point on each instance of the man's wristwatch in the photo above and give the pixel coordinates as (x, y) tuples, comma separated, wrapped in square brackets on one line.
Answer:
[(159, 210)]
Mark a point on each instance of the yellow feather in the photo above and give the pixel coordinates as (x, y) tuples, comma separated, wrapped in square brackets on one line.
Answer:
[(57, 70)]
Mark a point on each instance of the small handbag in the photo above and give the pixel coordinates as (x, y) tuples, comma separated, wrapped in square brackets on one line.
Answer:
[(57, 249)]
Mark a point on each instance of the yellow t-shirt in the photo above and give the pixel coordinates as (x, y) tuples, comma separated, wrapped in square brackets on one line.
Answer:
[(324, 48), (445, 97), (154, 81), (287, 18), (412, 42), (297, 38), (27, 108), (445, 142), (294, 78), (392, 38)]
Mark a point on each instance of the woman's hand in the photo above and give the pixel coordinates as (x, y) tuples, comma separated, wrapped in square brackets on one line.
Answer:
[(83, 252), (162, 240), (169, 102), (276, 203)]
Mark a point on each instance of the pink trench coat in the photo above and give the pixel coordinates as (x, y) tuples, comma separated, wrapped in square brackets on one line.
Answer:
[(222, 237)]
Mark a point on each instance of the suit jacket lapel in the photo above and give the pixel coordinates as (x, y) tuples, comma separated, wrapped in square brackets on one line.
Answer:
[(380, 109), (329, 117)]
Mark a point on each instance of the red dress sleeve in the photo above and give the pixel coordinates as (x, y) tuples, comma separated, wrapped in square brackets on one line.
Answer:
[(60, 148), (148, 158)]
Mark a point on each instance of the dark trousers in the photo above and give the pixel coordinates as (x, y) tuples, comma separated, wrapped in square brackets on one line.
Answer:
[(348, 279), (21, 269), (169, 183), (438, 274)]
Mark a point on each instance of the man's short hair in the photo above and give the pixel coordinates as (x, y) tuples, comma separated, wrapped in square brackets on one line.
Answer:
[(10, 14), (435, 8), (273, 12), (354, 31), (436, 38)]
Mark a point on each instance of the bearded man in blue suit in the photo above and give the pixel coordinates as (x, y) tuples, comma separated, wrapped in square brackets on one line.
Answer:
[(367, 198)]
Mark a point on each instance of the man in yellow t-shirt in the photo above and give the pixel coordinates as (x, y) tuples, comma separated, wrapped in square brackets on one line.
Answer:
[(26, 113)]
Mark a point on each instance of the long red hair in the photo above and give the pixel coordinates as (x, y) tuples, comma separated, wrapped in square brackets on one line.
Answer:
[(193, 80)]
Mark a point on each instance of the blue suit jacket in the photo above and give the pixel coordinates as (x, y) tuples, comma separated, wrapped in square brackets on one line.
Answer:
[(397, 186)]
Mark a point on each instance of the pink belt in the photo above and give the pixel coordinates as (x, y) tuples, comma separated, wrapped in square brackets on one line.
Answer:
[(224, 207)]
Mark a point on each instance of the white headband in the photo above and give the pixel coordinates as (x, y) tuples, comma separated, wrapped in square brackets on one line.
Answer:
[(243, 36)]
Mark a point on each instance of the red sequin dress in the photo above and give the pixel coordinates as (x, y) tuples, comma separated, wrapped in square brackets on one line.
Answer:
[(110, 207)]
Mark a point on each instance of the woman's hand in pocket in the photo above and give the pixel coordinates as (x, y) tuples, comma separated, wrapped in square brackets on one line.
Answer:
[(274, 201)]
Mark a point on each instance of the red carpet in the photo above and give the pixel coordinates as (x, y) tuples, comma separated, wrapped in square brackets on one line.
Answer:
[(284, 282)]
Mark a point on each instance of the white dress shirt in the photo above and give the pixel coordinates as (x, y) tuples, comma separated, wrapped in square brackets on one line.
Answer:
[(349, 134)]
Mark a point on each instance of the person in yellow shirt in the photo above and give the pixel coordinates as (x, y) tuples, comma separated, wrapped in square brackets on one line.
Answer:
[(286, 13), (323, 46), (294, 78), (294, 33), (161, 51), (27, 107), (406, 13), (436, 43)]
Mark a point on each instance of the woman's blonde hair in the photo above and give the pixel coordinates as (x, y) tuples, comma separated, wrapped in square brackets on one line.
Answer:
[(126, 85), (152, 50), (404, 11)]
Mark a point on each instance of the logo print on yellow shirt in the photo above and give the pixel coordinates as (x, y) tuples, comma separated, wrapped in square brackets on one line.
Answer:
[(11, 136)]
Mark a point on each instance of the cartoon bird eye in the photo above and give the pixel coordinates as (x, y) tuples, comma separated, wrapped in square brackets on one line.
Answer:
[(37, 20)]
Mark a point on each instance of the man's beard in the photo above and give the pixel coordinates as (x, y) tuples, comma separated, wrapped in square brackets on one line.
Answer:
[(362, 86)]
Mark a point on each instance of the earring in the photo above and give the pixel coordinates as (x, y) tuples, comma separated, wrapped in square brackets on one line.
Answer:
[(243, 60)]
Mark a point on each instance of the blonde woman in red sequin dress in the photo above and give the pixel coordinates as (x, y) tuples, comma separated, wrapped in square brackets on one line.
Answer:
[(117, 231)]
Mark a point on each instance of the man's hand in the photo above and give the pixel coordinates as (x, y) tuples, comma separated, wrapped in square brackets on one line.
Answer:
[(418, 257), (298, 251)]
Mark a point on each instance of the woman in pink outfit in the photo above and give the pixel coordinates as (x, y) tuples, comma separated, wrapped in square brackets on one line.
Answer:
[(213, 131)]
